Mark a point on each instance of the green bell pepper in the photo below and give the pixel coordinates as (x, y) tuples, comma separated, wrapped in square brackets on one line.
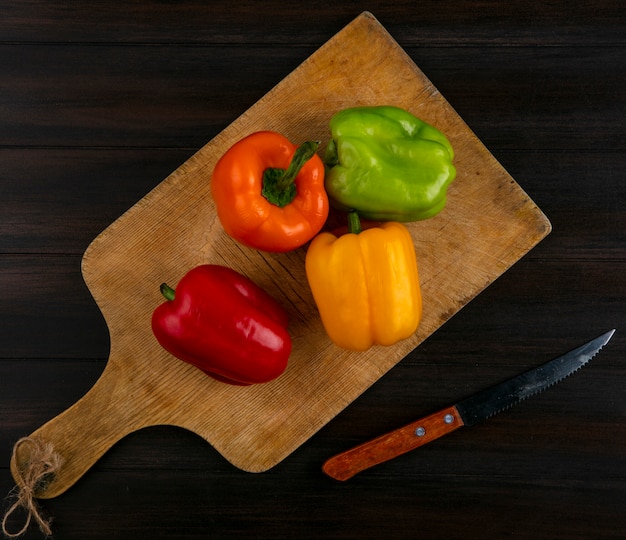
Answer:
[(387, 164)]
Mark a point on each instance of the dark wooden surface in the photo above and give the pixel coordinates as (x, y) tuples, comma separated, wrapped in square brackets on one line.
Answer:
[(99, 101)]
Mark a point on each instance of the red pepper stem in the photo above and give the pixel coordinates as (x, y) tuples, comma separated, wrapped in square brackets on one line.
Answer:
[(354, 223), (167, 291), (278, 184)]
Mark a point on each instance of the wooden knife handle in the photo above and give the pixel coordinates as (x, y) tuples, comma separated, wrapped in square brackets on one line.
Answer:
[(345, 465)]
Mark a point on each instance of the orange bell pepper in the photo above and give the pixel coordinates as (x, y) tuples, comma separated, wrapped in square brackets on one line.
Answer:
[(365, 284), (269, 193)]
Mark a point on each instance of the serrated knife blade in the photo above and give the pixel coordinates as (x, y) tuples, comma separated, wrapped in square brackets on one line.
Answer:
[(467, 412)]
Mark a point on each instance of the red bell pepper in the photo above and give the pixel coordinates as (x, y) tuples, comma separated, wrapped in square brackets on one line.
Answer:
[(223, 323)]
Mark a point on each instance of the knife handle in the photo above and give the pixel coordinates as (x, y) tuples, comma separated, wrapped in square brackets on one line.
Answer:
[(393, 444)]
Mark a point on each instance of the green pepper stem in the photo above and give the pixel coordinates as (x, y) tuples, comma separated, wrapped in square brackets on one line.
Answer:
[(331, 157), (354, 222), (278, 184), (167, 291)]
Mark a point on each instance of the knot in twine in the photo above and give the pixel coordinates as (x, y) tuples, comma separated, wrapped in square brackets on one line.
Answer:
[(36, 473)]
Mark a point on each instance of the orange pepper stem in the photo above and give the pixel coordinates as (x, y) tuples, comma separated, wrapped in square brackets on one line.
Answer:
[(167, 291), (278, 184), (354, 223)]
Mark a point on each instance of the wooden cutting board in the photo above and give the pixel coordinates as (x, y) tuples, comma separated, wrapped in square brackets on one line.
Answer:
[(488, 224)]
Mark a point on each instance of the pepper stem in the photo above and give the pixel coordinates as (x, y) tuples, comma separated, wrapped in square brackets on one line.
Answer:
[(354, 222), (167, 291), (278, 184)]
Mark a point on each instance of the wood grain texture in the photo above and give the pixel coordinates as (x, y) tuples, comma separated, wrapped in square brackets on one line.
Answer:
[(488, 225), (199, 22), (155, 96), (99, 103)]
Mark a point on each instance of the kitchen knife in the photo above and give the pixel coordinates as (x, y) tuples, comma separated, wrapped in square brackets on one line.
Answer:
[(468, 412)]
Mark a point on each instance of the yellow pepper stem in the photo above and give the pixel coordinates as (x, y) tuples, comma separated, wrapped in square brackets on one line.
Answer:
[(354, 223)]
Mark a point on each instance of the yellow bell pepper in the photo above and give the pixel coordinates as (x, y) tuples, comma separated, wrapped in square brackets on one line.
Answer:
[(365, 284)]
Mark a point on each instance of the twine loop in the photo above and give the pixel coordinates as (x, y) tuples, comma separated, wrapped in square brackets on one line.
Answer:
[(42, 463)]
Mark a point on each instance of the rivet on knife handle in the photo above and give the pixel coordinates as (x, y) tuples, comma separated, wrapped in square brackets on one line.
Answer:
[(467, 412), (345, 465)]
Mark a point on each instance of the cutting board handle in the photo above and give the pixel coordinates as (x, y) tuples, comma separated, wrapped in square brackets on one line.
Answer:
[(83, 433)]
